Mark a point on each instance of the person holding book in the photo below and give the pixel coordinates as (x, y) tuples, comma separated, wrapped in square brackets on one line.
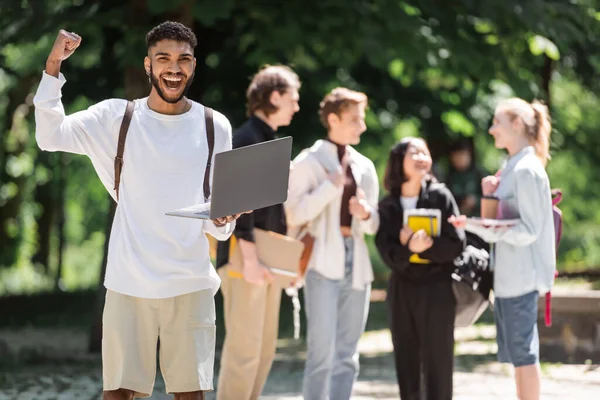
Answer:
[(420, 299), (524, 253), (251, 302), (334, 189)]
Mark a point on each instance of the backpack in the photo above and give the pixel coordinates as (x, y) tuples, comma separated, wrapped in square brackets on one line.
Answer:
[(471, 283), (210, 136), (558, 224), (472, 278)]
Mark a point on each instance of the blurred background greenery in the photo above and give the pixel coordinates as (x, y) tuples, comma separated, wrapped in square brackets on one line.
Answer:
[(431, 68)]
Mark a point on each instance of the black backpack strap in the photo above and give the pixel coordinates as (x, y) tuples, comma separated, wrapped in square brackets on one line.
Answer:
[(121, 146), (210, 138)]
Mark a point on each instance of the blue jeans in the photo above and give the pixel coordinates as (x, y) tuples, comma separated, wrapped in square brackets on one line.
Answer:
[(336, 316)]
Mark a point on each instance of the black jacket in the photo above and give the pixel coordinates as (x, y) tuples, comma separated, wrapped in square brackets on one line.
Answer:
[(270, 218), (444, 250)]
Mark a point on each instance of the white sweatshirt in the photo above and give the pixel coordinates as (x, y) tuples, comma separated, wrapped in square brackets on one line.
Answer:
[(150, 255)]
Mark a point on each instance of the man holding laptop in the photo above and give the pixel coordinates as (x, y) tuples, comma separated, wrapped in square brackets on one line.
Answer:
[(251, 300), (160, 281)]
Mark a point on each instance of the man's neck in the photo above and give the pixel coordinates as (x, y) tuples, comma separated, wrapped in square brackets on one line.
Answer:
[(336, 142), (261, 115), (157, 104), (337, 138)]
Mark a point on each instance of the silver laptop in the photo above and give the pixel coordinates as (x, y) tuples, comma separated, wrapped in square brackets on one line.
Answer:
[(246, 179)]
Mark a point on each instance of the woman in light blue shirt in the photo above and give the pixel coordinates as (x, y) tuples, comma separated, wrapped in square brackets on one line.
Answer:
[(524, 253)]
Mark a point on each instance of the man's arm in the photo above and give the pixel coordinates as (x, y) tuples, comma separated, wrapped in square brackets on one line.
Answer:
[(54, 130), (93, 132), (65, 44)]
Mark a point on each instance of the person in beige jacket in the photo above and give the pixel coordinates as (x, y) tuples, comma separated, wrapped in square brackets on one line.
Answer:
[(334, 191)]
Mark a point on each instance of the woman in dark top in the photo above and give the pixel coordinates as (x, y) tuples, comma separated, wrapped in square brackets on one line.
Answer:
[(420, 300)]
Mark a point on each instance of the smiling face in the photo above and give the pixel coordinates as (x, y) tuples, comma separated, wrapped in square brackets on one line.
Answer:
[(347, 128), (503, 129), (417, 161), (170, 65)]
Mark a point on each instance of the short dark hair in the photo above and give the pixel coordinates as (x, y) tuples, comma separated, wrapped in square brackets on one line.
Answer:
[(268, 79), (170, 30), (394, 171)]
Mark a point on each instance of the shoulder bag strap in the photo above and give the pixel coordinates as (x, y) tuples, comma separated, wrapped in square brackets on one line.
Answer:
[(121, 146), (210, 138)]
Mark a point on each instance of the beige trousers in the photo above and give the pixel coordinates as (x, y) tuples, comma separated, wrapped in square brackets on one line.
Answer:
[(251, 325)]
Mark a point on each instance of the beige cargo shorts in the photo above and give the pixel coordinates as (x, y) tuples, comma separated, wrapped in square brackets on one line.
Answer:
[(184, 327)]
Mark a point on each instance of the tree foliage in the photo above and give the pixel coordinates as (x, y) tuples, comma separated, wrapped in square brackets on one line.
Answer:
[(430, 67)]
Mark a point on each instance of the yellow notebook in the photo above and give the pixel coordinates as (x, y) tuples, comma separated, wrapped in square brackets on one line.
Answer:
[(423, 218)]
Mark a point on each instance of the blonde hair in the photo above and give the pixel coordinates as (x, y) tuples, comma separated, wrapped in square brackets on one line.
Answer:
[(338, 101), (536, 118)]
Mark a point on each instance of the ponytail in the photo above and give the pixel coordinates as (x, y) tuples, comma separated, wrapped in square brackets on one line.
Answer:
[(536, 118), (541, 132)]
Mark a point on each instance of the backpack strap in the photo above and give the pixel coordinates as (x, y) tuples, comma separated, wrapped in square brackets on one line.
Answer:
[(121, 146), (556, 196), (210, 138)]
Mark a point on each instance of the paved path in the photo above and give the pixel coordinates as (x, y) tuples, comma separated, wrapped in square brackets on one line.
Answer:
[(477, 375)]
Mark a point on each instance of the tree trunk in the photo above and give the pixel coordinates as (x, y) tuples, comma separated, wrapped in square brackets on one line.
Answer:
[(546, 78), (45, 196), (15, 144), (60, 215), (95, 342)]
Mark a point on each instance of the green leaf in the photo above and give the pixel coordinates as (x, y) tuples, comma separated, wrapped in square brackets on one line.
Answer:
[(492, 40), (407, 127), (482, 26), (552, 51), (539, 45), (396, 68), (457, 122), (410, 10), (209, 13)]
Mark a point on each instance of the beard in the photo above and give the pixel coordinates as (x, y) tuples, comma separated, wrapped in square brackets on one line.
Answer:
[(170, 99)]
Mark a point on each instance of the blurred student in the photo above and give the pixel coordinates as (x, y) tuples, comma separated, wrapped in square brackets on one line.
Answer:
[(524, 254), (464, 177), (251, 303), (335, 189), (420, 299)]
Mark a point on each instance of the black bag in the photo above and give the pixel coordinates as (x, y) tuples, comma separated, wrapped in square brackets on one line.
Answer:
[(472, 282)]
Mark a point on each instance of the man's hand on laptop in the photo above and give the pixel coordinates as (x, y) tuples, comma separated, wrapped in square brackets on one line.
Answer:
[(256, 273), (225, 220)]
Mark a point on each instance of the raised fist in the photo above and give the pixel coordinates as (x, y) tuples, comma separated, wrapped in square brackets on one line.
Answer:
[(64, 45)]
